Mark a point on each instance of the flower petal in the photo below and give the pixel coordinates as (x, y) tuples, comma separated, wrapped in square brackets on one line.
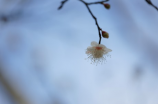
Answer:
[(108, 50), (101, 45), (93, 43)]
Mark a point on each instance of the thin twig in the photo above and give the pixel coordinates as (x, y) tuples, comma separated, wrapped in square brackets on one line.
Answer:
[(150, 3), (62, 3), (99, 2), (86, 4)]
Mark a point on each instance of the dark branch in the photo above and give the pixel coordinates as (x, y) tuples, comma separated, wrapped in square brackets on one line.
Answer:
[(62, 3), (99, 2), (150, 3), (87, 5)]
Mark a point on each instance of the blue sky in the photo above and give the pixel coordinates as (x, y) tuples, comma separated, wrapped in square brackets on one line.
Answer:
[(47, 61)]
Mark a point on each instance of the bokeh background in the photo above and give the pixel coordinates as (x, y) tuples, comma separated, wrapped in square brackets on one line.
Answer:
[(42, 53)]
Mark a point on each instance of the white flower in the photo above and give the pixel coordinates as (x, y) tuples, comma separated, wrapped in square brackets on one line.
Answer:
[(97, 52)]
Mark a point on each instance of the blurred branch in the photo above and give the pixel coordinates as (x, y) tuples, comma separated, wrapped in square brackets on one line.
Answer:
[(62, 3), (87, 5), (99, 2), (12, 91), (150, 3), (12, 16)]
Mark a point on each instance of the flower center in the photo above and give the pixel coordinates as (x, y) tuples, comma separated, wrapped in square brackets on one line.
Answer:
[(98, 48)]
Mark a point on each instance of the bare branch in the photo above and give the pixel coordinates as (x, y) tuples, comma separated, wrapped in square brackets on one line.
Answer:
[(99, 2), (62, 3), (86, 4), (150, 3)]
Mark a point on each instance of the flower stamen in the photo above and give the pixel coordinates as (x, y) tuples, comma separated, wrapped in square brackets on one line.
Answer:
[(98, 48)]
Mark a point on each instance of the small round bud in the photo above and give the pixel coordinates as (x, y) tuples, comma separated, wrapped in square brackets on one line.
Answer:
[(107, 6), (105, 34)]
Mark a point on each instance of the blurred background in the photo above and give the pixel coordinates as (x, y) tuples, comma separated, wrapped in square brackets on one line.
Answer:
[(42, 53)]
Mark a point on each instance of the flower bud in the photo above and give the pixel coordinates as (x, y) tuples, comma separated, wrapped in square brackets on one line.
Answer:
[(105, 34), (107, 6)]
